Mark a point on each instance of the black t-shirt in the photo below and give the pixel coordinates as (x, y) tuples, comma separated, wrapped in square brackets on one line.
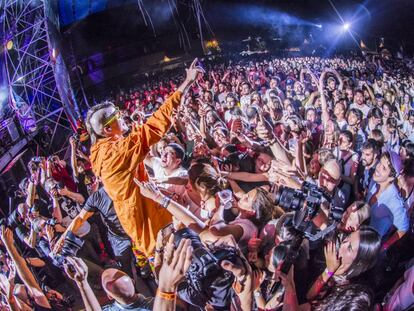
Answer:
[(68, 207), (142, 304), (102, 203)]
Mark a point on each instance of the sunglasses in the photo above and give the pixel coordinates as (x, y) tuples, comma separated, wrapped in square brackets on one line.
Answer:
[(112, 117), (326, 176)]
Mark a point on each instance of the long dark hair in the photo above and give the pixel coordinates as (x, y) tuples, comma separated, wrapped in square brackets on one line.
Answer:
[(368, 251)]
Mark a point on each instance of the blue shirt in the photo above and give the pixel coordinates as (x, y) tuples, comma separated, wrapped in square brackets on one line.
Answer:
[(389, 210)]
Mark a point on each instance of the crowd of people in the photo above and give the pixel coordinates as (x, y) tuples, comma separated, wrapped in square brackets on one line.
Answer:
[(263, 184)]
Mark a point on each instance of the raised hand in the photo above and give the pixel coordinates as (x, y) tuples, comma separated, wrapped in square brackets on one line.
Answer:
[(175, 264), (194, 71), (149, 190), (76, 269), (333, 262)]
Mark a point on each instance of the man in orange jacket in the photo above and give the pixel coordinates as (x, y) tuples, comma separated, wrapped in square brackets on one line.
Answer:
[(118, 158)]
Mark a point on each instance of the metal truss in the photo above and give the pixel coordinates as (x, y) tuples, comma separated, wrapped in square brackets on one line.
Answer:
[(30, 62)]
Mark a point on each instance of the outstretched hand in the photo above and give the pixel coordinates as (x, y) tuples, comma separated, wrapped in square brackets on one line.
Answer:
[(194, 71), (175, 264), (149, 190), (76, 269)]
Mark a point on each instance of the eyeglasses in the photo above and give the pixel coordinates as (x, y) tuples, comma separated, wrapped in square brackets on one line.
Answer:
[(112, 117)]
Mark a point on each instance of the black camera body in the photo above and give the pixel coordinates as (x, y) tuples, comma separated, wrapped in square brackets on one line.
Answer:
[(71, 246), (305, 202), (206, 281)]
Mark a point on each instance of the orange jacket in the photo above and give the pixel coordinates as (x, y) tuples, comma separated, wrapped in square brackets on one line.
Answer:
[(118, 160)]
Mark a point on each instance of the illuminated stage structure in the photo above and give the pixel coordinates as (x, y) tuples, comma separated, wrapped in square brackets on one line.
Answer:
[(38, 86)]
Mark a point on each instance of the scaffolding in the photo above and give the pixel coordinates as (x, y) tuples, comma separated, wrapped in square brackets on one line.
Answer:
[(32, 60)]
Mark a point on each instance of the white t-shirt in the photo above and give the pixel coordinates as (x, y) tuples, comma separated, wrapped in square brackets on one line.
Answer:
[(159, 173), (364, 108)]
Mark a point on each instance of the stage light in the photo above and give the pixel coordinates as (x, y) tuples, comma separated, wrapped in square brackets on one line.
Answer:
[(19, 79), (346, 26), (166, 59), (319, 26), (9, 45)]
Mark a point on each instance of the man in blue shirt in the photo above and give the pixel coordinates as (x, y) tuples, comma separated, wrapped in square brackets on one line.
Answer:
[(387, 207)]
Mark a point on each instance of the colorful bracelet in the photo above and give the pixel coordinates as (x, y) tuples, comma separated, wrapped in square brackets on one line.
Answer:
[(329, 273), (166, 296)]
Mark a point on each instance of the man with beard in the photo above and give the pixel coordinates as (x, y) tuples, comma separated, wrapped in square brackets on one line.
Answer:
[(369, 159), (354, 119)]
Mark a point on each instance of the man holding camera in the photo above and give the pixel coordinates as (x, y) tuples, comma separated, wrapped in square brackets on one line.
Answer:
[(117, 160)]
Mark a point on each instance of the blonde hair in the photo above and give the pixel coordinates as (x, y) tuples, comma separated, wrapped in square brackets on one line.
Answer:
[(95, 126)]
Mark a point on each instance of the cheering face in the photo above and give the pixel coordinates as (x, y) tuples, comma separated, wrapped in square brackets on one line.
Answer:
[(115, 124), (332, 84), (311, 116), (245, 204), (339, 110), (230, 103), (220, 138), (359, 98), (169, 158), (386, 111), (353, 119), (382, 171), (263, 163), (327, 181), (245, 89), (411, 120)]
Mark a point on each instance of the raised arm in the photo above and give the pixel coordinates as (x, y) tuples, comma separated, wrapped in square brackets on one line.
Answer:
[(149, 190), (73, 161), (174, 266), (74, 226), (135, 146), (23, 270), (77, 270)]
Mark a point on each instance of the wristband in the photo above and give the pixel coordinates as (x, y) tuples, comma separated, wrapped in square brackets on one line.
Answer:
[(329, 273), (166, 296), (165, 201)]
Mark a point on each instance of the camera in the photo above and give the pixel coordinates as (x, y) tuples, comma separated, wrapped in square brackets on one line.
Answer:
[(71, 245), (206, 281), (58, 185), (308, 199), (306, 204)]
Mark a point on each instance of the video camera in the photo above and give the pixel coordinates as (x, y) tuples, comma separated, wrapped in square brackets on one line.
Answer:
[(306, 203), (71, 246)]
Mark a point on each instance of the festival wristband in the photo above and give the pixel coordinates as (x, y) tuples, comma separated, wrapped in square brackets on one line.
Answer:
[(165, 201), (166, 296), (328, 273)]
